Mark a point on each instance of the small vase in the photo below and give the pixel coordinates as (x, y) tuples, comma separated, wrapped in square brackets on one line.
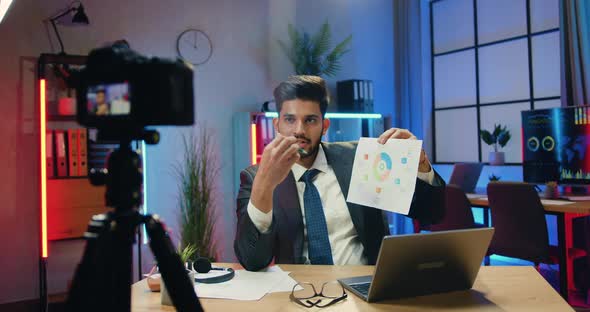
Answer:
[(165, 297), (496, 158), (551, 191), (66, 106)]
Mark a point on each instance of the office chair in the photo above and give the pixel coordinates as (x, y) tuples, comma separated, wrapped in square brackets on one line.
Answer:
[(581, 239), (458, 214), (521, 230)]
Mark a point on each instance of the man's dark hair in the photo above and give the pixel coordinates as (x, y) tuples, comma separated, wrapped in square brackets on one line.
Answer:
[(303, 87)]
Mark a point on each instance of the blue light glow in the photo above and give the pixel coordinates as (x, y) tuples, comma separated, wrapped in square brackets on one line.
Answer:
[(336, 115), (557, 130), (145, 201)]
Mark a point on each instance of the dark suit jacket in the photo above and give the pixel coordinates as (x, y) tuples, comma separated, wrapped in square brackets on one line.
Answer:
[(284, 241)]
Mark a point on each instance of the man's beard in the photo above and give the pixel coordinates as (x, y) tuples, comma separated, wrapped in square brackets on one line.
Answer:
[(314, 148)]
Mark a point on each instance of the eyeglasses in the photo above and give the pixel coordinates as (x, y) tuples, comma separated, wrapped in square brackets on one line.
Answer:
[(305, 296)]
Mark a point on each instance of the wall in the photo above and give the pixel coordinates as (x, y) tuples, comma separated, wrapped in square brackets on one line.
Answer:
[(19, 184), (371, 51)]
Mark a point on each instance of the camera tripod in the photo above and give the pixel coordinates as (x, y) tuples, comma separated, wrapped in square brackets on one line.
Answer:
[(102, 281)]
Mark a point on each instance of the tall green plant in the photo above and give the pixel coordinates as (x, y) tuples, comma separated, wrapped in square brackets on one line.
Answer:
[(197, 173), (311, 54)]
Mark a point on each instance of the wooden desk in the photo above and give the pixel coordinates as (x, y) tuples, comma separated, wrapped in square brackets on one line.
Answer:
[(498, 288), (564, 214), (579, 208)]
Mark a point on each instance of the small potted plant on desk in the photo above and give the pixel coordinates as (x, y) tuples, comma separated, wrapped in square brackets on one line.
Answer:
[(186, 254), (494, 178), (500, 136)]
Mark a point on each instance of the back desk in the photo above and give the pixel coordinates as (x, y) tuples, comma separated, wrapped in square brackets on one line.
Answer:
[(564, 214)]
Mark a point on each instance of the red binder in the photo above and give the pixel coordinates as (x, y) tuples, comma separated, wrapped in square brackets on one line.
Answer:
[(73, 152), (60, 153), (49, 159), (82, 152)]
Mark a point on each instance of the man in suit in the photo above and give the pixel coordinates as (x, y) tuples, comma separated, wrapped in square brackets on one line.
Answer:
[(291, 207)]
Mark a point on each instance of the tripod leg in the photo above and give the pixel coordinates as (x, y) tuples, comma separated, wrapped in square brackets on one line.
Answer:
[(173, 272), (90, 275), (103, 278)]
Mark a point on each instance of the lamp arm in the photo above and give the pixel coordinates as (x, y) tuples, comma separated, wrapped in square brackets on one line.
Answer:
[(58, 36), (68, 11), (53, 19)]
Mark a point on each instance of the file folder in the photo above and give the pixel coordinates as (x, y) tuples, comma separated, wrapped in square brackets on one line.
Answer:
[(60, 152), (49, 158), (73, 152), (82, 152)]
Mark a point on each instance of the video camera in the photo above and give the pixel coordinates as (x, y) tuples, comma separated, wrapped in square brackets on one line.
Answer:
[(122, 91)]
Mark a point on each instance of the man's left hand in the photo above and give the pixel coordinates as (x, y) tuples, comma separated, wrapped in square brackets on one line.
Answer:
[(397, 133)]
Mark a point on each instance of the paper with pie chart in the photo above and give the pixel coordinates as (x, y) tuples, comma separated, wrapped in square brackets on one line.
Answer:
[(384, 175)]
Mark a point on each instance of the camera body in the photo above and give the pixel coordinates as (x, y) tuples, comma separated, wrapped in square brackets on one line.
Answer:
[(122, 91)]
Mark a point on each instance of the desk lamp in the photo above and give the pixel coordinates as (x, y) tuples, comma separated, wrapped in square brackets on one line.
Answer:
[(79, 17)]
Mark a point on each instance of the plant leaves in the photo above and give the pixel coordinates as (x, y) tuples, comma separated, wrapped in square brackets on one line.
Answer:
[(196, 174), (487, 137), (321, 41), (503, 138), (497, 130), (311, 55)]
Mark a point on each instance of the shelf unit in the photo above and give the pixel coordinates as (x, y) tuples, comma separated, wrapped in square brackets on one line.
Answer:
[(66, 202)]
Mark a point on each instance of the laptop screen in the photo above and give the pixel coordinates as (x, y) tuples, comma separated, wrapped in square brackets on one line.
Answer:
[(465, 175)]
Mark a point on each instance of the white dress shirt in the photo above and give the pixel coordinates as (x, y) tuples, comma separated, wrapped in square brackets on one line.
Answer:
[(344, 240)]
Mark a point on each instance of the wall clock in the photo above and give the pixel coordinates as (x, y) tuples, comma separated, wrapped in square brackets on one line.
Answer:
[(194, 46)]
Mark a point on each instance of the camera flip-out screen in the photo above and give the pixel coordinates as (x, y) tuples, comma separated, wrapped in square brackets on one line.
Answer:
[(109, 99)]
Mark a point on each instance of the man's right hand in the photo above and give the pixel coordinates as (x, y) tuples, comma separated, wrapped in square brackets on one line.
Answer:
[(276, 162)]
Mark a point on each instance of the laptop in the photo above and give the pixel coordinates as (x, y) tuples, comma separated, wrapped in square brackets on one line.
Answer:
[(422, 264), (465, 175)]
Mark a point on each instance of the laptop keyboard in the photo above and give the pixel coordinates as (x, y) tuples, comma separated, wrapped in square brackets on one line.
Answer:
[(362, 288)]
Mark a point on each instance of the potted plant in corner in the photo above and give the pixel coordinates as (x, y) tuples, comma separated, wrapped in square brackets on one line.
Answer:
[(197, 173), (499, 137), (311, 54)]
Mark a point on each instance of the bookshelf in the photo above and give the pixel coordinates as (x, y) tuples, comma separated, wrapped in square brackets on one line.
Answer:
[(70, 200)]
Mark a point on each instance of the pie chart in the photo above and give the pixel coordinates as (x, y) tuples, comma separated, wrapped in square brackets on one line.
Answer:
[(382, 166)]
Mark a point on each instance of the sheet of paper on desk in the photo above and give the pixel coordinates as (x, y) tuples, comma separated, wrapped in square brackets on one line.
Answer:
[(384, 175), (245, 285), (555, 202), (286, 285)]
